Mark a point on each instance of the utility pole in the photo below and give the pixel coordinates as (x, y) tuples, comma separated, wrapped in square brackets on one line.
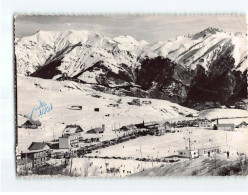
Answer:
[(190, 143)]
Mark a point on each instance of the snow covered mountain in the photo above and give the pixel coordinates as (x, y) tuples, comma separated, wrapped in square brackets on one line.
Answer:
[(208, 66)]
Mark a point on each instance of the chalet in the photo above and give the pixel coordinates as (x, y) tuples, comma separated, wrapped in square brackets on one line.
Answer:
[(68, 140), (188, 153), (146, 102), (242, 125), (96, 130), (129, 128), (32, 124), (72, 129), (202, 123), (24, 164), (167, 126), (225, 127), (232, 107), (37, 153), (223, 107)]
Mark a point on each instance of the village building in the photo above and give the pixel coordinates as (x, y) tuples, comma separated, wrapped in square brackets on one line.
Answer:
[(37, 153), (168, 128), (68, 141), (129, 128), (223, 107), (242, 125), (188, 153), (160, 130), (210, 150), (70, 137), (32, 124), (23, 165), (96, 130), (72, 129), (225, 127), (202, 123)]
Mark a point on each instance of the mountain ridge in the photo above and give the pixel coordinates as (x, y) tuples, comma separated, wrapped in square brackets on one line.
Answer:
[(187, 65)]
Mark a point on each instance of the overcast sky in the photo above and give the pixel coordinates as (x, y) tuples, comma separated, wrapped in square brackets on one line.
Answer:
[(150, 28)]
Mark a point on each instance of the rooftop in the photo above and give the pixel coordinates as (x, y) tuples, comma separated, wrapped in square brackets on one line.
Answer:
[(37, 146)]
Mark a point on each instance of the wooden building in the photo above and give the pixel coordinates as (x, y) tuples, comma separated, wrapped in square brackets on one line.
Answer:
[(225, 127), (72, 129), (32, 124), (203, 123), (242, 125), (37, 153)]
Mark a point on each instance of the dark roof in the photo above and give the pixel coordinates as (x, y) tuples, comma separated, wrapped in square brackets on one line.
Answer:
[(95, 130), (23, 161), (129, 127), (53, 145), (37, 145), (33, 122), (243, 123)]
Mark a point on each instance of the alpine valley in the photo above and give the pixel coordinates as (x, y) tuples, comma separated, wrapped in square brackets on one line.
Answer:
[(200, 71)]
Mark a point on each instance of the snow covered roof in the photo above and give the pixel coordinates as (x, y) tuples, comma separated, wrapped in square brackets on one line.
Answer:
[(71, 129)]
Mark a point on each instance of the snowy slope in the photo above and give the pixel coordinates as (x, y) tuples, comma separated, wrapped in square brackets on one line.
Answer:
[(223, 113)]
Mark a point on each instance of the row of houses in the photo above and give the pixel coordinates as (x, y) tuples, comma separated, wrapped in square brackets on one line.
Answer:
[(153, 128), (205, 123)]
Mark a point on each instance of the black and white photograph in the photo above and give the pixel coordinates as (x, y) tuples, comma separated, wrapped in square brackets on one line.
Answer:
[(114, 96)]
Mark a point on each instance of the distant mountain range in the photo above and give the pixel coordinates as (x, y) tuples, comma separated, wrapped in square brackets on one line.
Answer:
[(209, 66)]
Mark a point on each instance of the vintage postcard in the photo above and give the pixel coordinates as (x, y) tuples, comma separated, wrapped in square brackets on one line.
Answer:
[(131, 95)]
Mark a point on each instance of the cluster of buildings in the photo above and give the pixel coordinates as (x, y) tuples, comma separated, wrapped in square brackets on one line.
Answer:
[(39, 152), (205, 123), (151, 128)]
